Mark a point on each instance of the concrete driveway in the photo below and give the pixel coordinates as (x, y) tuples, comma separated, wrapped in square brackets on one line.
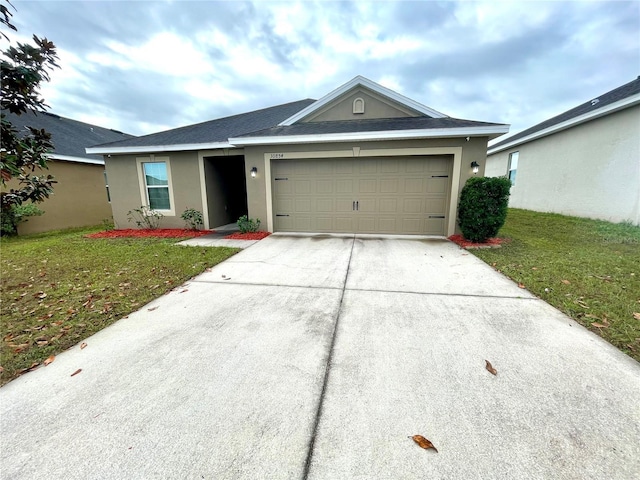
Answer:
[(316, 357)]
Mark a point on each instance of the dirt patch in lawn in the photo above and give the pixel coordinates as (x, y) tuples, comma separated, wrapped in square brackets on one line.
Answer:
[(464, 243), (148, 233), (248, 236)]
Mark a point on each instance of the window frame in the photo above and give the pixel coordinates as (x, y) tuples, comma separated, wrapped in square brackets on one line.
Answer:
[(510, 165), (144, 192)]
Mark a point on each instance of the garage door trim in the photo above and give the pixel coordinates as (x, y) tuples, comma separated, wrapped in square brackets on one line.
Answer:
[(357, 152)]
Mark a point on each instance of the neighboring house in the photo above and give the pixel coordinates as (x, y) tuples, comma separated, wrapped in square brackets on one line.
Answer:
[(361, 159), (80, 197), (584, 162)]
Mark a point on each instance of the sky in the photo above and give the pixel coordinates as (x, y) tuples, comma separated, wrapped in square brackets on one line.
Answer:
[(146, 66)]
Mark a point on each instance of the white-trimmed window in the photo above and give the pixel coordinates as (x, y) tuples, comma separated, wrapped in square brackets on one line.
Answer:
[(512, 169), (155, 183)]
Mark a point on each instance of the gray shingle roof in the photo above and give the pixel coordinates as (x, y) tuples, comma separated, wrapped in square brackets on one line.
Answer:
[(69, 137), (218, 130), (371, 125), (608, 98)]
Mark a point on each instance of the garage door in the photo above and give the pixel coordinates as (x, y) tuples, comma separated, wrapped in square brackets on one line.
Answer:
[(407, 195)]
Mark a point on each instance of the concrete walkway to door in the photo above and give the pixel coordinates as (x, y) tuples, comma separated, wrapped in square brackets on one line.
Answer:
[(316, 357)]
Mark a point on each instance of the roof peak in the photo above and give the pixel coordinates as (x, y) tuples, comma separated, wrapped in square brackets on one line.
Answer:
[(359, 80)]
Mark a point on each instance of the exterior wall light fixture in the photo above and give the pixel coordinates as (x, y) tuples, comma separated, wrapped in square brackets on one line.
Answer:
[(475, 166), (254, 172)]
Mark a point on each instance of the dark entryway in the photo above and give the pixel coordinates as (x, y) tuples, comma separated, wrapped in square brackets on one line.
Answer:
[(226, 189)]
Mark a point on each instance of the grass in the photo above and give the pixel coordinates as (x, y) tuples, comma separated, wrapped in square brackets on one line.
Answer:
[(58, 288), (588, 269)]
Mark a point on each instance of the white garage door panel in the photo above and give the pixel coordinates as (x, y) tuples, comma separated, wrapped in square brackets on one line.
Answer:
[(365, 195)]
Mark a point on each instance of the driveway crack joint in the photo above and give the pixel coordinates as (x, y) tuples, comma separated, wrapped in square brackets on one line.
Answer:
[(327, 370)]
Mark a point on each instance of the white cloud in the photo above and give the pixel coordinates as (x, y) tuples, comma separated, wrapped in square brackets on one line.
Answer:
[(165, 64)]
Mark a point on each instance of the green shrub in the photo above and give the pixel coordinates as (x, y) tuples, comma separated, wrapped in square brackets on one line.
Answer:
[(248, 225), (107, 223), (193, 219), (145, 217), (15, 215), (483, 207)]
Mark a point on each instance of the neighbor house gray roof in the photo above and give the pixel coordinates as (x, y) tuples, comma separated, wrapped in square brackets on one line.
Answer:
[(218, 130), (371, 125), (69, 137), (592, 106)]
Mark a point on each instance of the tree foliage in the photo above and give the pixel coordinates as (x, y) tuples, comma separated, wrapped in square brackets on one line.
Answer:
[(23, 155), (483, 207)]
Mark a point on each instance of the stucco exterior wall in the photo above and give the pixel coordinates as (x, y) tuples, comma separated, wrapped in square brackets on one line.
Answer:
[(124, 174), (591, 170), (79, 198), (375, 106), (473, 150)]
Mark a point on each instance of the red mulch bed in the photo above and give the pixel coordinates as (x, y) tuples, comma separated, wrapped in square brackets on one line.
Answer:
[(464, 243), (146, 233), (248, 236)]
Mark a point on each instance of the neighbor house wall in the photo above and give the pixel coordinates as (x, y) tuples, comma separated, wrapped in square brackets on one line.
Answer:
[(591, 170), (79, 198), (473, 150), (124, 174)]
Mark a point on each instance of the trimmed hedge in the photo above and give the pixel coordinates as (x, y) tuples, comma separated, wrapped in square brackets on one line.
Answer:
[(483, 207)]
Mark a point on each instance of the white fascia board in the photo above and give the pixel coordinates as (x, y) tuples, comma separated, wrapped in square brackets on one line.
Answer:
[(157, 148), (365, 82), (68, 158), (373, 136), (600, 112)]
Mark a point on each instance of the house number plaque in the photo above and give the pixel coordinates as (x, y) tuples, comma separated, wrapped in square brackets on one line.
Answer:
[(277, 155)]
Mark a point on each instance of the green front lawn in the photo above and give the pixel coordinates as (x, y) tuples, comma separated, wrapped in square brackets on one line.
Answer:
[(59, 288), (588, 269)]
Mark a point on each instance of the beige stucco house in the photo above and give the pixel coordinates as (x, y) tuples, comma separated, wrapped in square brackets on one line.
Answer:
[(80, 196), (361, 159), (584, 162)]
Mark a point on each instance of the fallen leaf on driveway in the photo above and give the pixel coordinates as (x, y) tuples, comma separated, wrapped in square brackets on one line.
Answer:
[(49, 360), (83, 345), (33, 366), (151, 309), (490, 368), (76, 372), (423, 442), (521, 285), (636, 315)]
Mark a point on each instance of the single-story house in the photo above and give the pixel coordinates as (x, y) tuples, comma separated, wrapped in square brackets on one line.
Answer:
[(584, 162), (81, 196), (361, 159)]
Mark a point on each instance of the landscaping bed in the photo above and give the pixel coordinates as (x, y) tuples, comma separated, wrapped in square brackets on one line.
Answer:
[(588, 269), (150, 233), (464, 243), (248, 236)]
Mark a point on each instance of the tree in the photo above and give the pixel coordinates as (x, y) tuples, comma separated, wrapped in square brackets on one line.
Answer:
[(23, 68)]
